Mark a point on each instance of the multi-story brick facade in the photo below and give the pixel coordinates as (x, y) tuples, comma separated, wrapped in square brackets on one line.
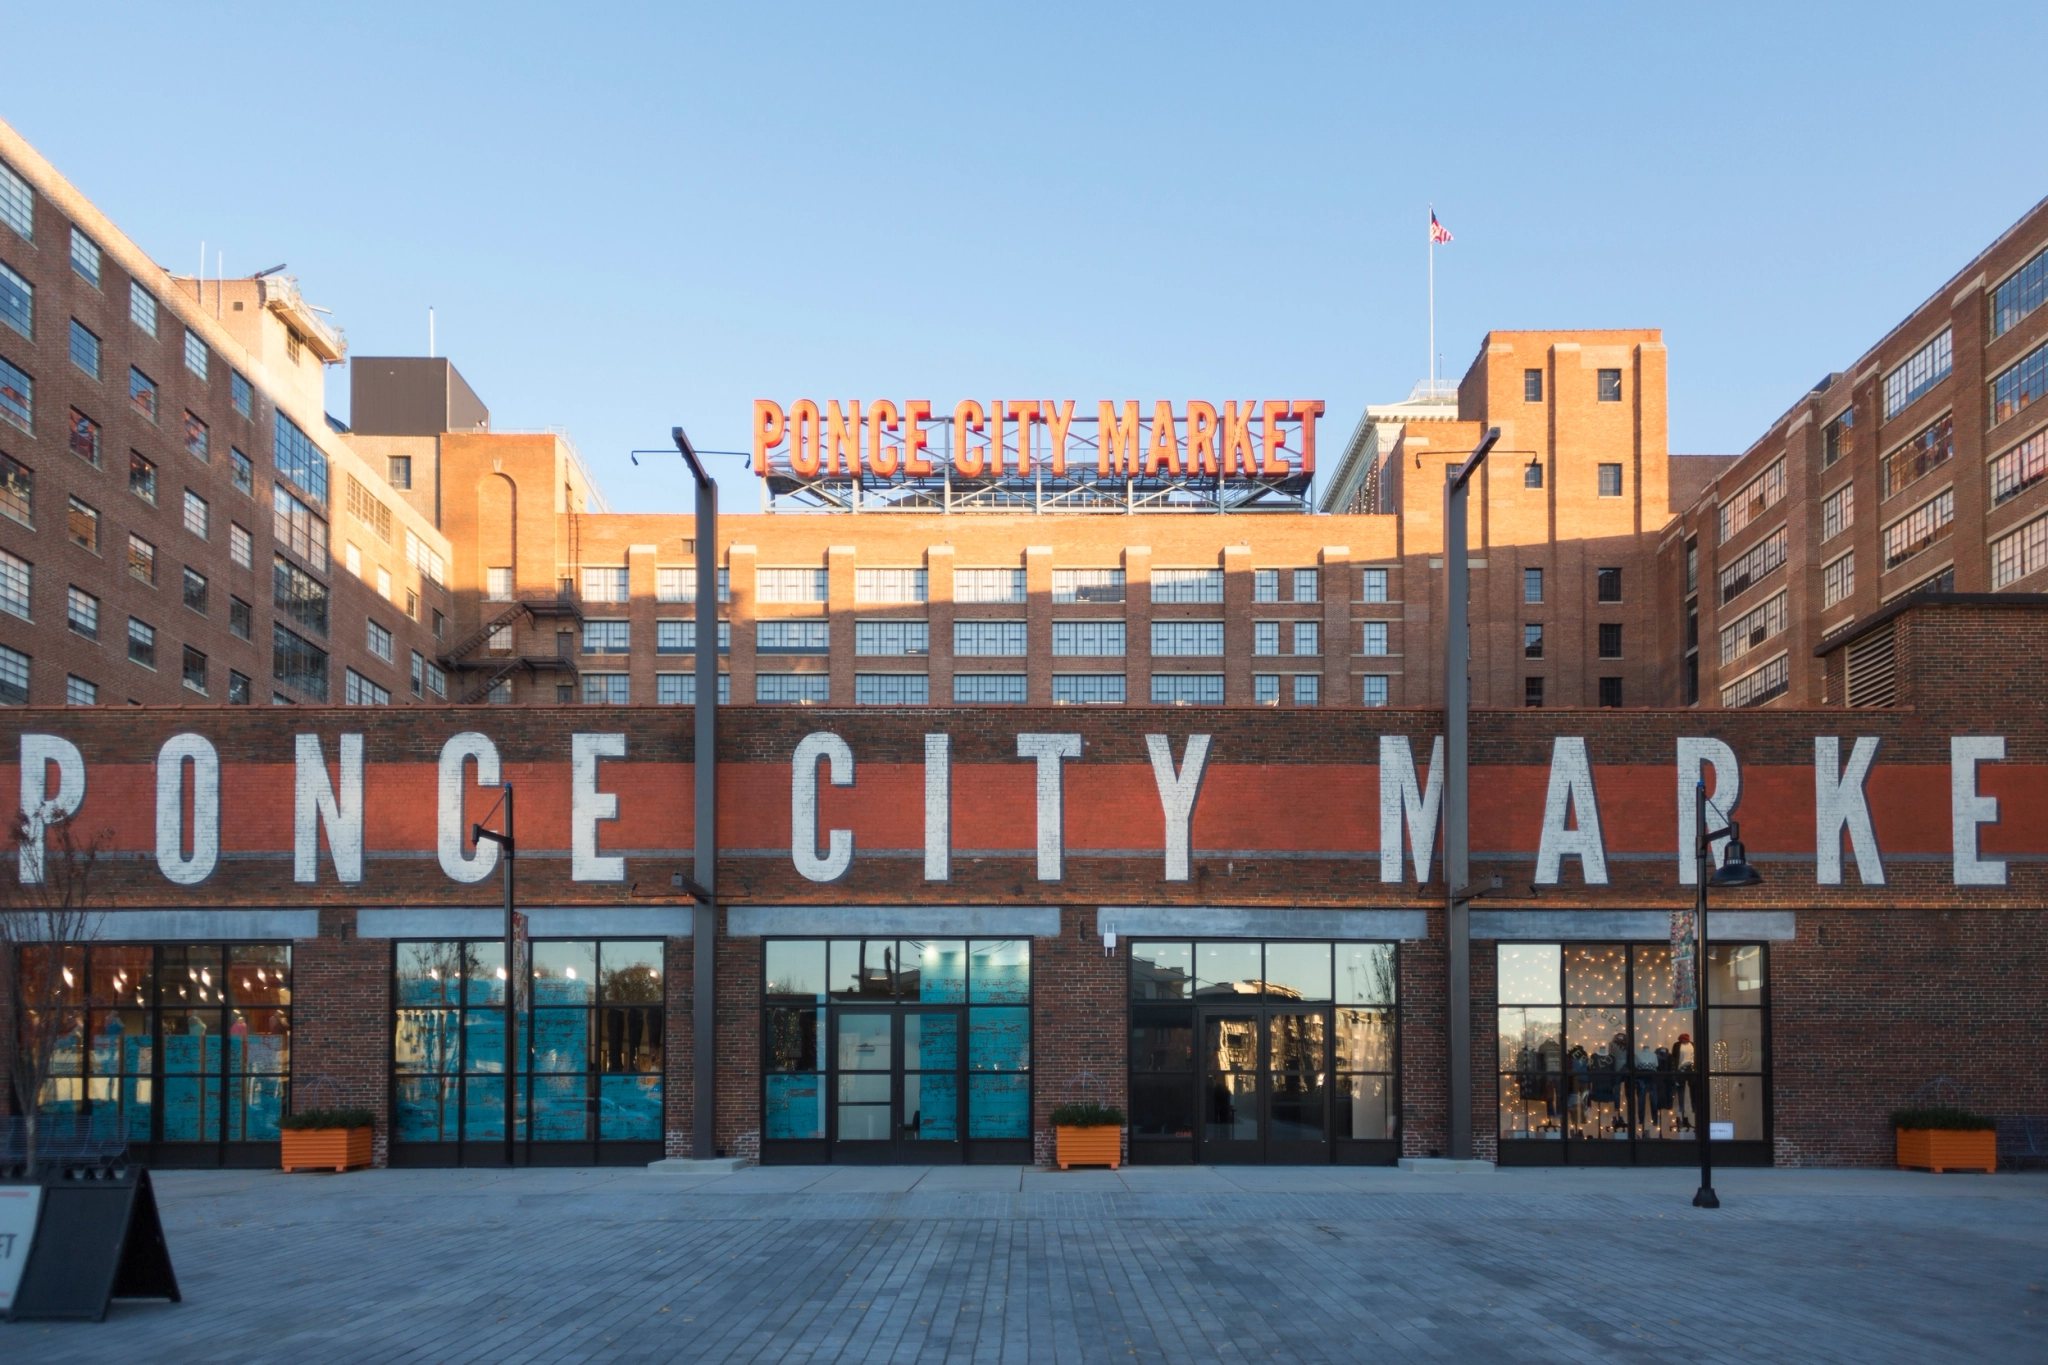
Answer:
[(1847, 984), (179, 523), (1917, 468), (558, 600)]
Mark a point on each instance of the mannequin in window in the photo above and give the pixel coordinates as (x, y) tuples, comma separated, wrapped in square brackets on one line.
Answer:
[(1682, 1065), (1603, 1089), (1575, 1099), (1665, 1065), (1646, 1085)]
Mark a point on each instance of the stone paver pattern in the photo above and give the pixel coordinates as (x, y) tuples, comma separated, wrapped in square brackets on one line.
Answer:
[(999, 1265)]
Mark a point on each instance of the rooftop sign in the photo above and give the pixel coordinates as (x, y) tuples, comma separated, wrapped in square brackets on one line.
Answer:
[(1050, 453)]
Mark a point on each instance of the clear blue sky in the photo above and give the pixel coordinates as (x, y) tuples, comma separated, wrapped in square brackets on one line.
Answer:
[(628, 216)]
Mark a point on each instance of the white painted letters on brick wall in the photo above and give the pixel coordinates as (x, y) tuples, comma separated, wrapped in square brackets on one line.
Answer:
[(1049, 750), (1403, 799), (588, 805), (40, 808), (1838, 805), (1968, 809), (1178, 792), (178, 867), (459, 860), (821, 746), (938, 808), (1571, 793), (1695, 755), (315, 803)]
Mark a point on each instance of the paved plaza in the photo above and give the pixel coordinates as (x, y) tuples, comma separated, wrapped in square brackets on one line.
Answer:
[(1001, 1265)]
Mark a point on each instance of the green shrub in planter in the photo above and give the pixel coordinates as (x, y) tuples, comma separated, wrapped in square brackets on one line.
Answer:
[(1942, 1118), (1089, 1115), (328, 1118)]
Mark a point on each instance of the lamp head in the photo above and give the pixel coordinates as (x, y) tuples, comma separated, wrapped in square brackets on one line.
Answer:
[(1735, 869)]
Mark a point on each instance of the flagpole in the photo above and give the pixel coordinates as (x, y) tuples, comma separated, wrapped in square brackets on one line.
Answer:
[(1432, 301)]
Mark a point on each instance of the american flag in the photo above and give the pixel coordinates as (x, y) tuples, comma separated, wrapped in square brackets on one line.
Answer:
[(1437, 231)]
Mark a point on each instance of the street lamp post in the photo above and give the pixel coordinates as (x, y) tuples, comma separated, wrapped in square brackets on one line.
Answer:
[(1457, 831), (478, 834), (702, 886), (1734, 871)]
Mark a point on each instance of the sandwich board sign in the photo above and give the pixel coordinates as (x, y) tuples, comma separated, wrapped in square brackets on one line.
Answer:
[(92, 1241), (19, 1205)]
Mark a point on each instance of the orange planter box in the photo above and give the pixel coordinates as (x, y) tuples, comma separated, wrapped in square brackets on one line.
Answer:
[(1940, 1149), (1100, 1146), (326, 1149)]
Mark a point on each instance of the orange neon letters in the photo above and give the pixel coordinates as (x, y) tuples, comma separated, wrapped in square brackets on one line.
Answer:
[(1237, 440), (1165, 447), (1116, 443), (967, 460), (1024, 414), (768, 426), (916, 413), (849, 440), (842, 439), (803, 438), (881, 458), (1273, 414), (1201, 437), (1307, 410), (1057, 419)]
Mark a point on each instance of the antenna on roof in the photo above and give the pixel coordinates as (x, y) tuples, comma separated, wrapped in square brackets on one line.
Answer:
[(430, 332), (272, 271)]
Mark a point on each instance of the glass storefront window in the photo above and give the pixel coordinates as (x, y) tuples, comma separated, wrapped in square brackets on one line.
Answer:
[(897, 1042), (589, 1050), (1591, 1049), (1256, 1051), (1162, 971), (187, 1043)]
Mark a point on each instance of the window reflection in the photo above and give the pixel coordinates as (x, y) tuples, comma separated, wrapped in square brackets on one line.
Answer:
[(1261, 1050), (180, 1043), (588, 1049)]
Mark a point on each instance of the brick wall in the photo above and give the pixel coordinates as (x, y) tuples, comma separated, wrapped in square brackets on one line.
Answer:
[(341, 1022)]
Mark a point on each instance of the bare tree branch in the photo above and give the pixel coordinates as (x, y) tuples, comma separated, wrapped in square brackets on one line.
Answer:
[(47, 916)]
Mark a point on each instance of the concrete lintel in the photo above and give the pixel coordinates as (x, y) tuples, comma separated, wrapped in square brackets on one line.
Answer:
[(666, 921), (1231, 921), (424, 923), (205, 926), (1627, 926), (853, 921)]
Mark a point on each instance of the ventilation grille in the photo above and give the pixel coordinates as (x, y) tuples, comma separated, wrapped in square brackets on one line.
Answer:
[(1873, 671)]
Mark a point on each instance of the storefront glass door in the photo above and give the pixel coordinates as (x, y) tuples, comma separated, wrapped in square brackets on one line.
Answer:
[(896, 1050), (1262, 1052), (588, 1054)]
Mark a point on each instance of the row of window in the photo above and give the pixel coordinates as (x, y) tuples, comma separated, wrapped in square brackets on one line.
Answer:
[(1533, 692), (914, 689), (989, 639), (611, 584), (1608, 386), (971, 586), (1609, 635)]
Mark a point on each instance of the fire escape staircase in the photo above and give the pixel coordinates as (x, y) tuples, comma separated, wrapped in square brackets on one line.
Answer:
[(485, 671)]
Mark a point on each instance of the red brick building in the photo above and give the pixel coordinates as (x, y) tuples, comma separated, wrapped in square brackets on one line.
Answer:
[(1918, 468), (937, 924), (178, 522)]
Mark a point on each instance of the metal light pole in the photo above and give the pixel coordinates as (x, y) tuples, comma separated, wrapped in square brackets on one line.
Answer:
[(505, 846), (1457, 832), (1734, 871), (703, 885)]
